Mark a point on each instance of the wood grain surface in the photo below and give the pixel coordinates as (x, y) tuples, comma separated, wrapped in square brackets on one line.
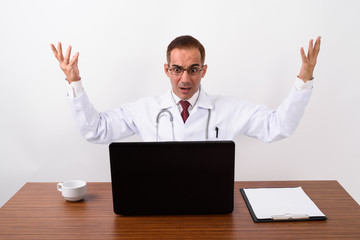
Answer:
[(38, 211)]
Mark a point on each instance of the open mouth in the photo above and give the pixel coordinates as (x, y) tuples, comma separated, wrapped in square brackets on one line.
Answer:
[(185, 90)]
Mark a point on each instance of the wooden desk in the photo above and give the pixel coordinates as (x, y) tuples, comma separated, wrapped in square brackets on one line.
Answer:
[(38, 211)]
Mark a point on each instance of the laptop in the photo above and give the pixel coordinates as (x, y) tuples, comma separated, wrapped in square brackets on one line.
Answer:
[(156, 178)]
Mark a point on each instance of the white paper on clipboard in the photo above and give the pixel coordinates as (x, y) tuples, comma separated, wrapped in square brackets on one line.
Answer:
[(269, 202)]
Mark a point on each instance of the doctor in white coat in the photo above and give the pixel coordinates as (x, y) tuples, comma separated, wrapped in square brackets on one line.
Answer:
[(208, 117)]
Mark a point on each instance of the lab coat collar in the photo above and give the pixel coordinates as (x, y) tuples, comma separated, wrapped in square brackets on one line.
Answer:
[(167, 100), (204, 100)]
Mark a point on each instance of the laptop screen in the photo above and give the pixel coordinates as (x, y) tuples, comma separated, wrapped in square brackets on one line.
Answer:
[(172, 177)]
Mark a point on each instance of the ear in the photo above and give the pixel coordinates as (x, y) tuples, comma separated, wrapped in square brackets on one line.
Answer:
[(166, 69), (204, 71)]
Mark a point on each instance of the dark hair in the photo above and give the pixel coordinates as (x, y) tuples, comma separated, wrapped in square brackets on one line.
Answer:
[(186, 42)]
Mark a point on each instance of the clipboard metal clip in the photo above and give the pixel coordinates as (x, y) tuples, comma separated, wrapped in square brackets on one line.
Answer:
[(289, 216)]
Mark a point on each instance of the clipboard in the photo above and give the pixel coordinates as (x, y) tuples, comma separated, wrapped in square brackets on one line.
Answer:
[(280, 204)]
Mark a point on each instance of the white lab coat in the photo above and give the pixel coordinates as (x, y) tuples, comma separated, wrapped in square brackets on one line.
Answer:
[(228, 114)]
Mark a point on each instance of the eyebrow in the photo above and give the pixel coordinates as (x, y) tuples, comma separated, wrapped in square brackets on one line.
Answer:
[(194, 65)]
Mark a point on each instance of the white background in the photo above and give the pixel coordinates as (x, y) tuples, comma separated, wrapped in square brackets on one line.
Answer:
[(253, 52)]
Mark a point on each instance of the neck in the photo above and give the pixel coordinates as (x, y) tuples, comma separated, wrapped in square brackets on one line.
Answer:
[(193, 100)]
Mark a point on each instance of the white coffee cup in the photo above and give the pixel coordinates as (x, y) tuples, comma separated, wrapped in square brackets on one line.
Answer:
[(73, 190)]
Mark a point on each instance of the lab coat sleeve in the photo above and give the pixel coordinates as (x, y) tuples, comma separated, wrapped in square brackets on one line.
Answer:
[(104, 127), (272, 125)]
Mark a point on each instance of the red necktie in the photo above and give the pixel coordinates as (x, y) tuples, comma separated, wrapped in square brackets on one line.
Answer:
[(185, 113)]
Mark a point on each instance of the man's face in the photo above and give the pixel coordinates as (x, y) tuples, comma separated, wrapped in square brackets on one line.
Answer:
[(185, 86)]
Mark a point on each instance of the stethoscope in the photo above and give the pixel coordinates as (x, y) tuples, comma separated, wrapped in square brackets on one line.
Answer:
[(160, 114)]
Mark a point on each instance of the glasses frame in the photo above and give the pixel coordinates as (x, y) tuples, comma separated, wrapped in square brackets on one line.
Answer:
[(185, 69)]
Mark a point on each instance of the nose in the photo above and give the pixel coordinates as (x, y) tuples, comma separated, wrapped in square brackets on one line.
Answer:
[(185, 77)]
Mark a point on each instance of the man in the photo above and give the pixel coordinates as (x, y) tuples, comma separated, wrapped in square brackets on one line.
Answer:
[(186, 112)]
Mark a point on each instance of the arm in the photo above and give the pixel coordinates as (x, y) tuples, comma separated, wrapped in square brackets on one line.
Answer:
[(101, 127), (94, 126), (272, 125)]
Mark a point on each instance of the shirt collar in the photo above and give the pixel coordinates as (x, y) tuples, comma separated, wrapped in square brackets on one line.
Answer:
[(192, 100), (169, 99)]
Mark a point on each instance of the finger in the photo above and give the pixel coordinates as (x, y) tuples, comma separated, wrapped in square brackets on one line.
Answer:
[(67, 55), (54, 50), (74, 59), (303, 56), (310, 49), (317, 46), (60, 54)]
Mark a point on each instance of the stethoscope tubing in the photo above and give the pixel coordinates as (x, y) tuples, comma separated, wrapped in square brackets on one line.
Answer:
[(157, 123), (172, 123)]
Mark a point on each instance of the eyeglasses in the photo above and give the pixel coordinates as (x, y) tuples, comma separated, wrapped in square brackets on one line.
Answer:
[(192, 70)]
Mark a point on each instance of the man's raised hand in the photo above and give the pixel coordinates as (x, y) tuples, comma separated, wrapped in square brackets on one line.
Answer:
[(309, 60), (70, 68)]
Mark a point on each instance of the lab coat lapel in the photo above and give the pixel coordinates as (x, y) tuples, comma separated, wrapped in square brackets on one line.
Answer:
[(203, 101), (167, 102)]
